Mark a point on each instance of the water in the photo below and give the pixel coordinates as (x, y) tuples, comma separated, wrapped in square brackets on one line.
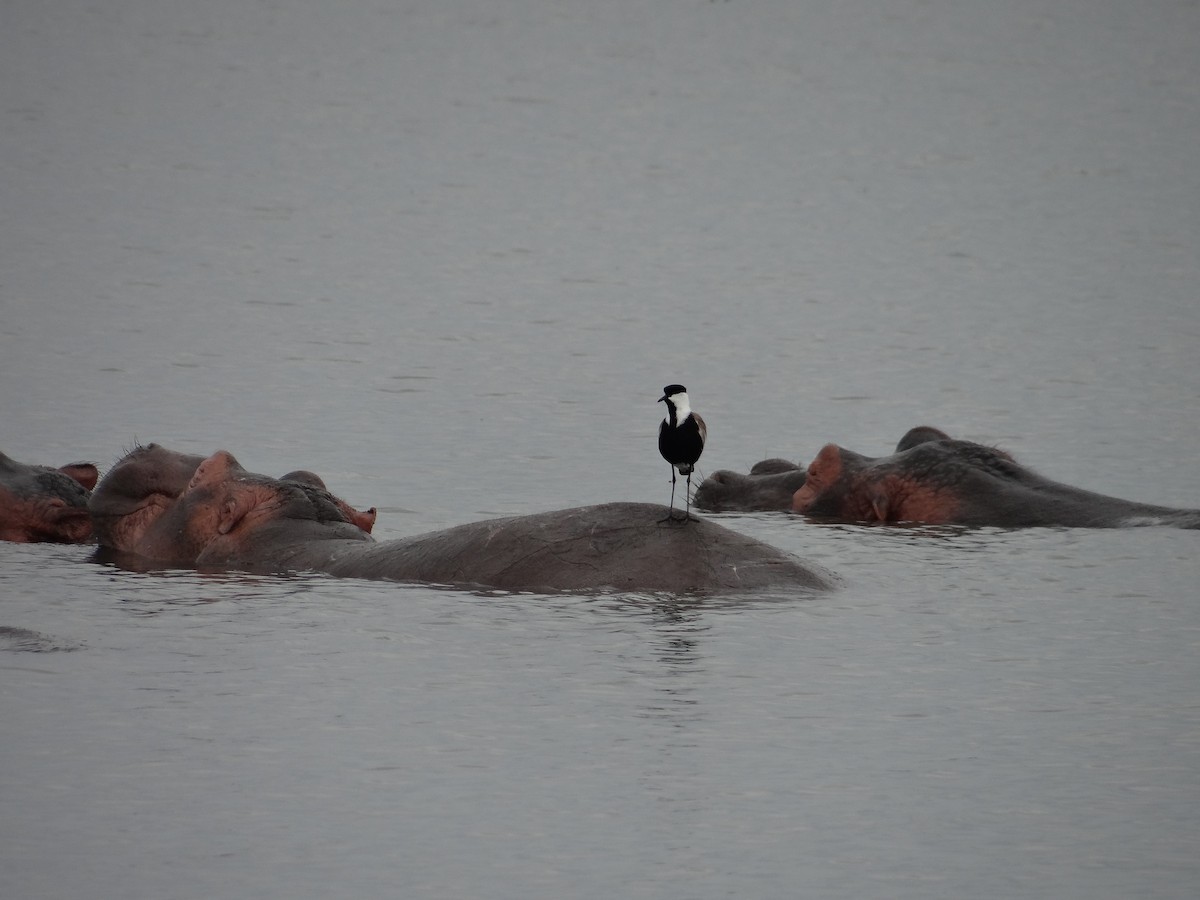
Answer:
[(447, 255)]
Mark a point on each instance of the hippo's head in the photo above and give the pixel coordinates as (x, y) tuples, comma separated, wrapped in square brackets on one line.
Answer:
[(137, 491), (769, 486), (38, 503), (159, 503), (931, 479)]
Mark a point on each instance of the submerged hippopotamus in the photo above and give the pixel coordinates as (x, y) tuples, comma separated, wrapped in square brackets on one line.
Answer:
[(230, 519), (149, 479), (771, 484), (38, 503), (945, 481)]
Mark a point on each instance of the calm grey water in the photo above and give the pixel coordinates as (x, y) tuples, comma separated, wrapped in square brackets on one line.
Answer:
[(447, 254)]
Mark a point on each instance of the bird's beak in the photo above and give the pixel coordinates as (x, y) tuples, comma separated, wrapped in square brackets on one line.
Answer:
[(662, 398)]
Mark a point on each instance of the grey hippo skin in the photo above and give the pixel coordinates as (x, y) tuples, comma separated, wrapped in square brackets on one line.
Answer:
[(768, 486), (230, 519)]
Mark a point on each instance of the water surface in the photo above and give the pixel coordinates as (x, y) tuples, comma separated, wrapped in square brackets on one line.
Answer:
[(447, 255)]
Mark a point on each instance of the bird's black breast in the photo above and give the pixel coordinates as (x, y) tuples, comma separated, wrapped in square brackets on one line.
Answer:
[(683, 444)]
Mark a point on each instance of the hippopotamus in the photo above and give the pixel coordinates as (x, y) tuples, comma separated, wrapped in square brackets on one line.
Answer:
[(39, 503), (772, 483), (149, 479), (230, 519), (943, 481), (769, 485)]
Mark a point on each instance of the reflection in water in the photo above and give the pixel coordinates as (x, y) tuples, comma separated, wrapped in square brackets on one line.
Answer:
[(674, 705), (678, 627)]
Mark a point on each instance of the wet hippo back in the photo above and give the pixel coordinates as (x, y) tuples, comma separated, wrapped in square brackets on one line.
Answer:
[(622, 546)]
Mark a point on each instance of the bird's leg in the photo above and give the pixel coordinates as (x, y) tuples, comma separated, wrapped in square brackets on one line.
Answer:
[(671, 512), (687, 514)]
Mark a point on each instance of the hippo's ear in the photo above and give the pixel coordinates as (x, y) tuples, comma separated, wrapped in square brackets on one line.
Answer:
[(364, 520), (233, 510), (85, 473), (880, 503)]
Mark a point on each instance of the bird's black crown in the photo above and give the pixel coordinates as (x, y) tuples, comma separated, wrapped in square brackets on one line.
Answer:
[(671, 389)]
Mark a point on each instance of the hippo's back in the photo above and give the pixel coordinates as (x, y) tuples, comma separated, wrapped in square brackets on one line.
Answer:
[(621, 546)]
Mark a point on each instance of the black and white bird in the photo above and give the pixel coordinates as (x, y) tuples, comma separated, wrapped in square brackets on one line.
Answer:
[(680, 439)]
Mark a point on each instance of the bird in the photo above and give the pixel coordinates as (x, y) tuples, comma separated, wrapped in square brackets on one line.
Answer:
[(680, 440)]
